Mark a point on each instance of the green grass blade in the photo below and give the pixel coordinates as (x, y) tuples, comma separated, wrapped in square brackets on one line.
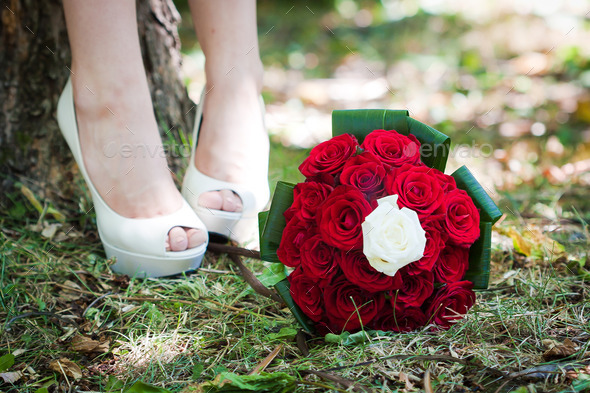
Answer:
[(283, 289), (488, 211), (360, 122), (271, 230), (479, 258)]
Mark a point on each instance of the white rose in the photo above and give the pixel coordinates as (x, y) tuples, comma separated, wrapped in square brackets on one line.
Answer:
[(392, 237)]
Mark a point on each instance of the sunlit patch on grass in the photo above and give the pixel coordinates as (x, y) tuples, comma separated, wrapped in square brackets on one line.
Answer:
[(138, 351)]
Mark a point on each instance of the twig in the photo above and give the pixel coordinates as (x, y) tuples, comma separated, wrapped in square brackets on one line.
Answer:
[(233, 250), (251, 279), (234, 254), (38, 313), (543, 371), (96, 301), (440, 358)]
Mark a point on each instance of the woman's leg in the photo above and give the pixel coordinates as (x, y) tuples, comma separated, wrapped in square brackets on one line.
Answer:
[(233, 143), (122, 148)]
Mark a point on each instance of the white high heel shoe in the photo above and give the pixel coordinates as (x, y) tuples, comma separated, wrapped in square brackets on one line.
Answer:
[(138, 244), (253, 191)]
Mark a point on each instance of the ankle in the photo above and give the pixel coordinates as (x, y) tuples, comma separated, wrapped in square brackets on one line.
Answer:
[(99, 96), (247, 75)]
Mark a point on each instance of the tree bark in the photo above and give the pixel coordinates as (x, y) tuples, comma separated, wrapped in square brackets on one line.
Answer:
[(35, 61)]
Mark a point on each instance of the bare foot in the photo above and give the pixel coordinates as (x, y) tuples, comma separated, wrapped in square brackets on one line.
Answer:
[(233, 142), (124, 155)]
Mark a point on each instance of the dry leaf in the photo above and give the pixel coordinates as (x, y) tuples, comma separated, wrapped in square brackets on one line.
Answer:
[(11, 377), (575, 374), (66, 367), (549, 343), (560, 351), (532, 242), (50, 230), (70, 295), (427, 383), (84, 344), (403, 377)]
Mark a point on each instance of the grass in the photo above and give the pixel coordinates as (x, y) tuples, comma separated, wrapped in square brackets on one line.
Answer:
[(180, 332)]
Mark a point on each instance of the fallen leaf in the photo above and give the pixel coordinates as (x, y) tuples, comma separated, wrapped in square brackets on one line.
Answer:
[(427, 382), (87, 345), (11, 377), (302, 343), (403, 377), (31, 198), (49, 231), (6, 361), (560, 351), (533, 243), (66, 367), (70, 294), (574, 374), (262, 365)]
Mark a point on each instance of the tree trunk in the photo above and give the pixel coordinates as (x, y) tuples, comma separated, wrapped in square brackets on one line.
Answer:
[(35, 61)]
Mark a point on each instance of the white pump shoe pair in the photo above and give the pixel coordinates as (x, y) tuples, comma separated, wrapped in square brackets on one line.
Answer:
[(138, 244)]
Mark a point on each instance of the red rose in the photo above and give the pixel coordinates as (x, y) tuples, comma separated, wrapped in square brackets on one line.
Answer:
[(399, 319), (450, 303), (345, 302), (318, 258), (435, 242), (462, 219), (323, 178), (357, 270), (415, 288), (452, 264), (329, 156), (306, 199), (307, 294), (448, 183), (340, 217), (418, 188), (393, 148), (364, 172), (295, 233)]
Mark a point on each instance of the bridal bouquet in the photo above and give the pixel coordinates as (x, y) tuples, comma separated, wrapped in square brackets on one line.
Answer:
[(377, 236)]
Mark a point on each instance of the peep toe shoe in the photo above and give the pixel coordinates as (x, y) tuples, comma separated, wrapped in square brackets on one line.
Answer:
[(254, 192), (137, 244)]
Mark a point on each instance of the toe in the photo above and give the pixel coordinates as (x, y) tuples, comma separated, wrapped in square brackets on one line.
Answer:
[(231, 201), (225, 200), (211, 200), (177, 239), (195, 237)]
